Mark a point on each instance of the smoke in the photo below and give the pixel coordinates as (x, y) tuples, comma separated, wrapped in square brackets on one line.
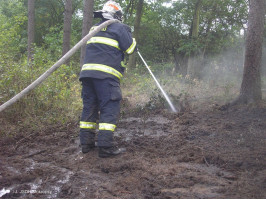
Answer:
[(228, 66), (224, 68)]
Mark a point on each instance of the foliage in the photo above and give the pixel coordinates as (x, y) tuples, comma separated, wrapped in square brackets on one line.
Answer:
[(12, 25), (156, 101), (165, 25), (164, 40), (54, 100), (220, 24)]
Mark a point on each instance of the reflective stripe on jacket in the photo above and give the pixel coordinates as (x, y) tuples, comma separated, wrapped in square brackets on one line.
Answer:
[(105, 52)]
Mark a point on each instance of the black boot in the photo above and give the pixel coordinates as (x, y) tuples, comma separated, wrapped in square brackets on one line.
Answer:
[(105, 152), (85, 148)]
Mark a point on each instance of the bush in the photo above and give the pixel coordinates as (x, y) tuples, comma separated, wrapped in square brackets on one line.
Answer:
[(55, 100)]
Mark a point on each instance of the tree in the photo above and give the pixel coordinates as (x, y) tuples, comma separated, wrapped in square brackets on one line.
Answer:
[(87, 24), (132, 58), (194, 33), (31, 28), (67, 27), (49, 15), (250, 91)]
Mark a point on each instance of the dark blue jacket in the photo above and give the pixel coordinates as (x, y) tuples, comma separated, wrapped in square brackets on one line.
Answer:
[(105, 52)]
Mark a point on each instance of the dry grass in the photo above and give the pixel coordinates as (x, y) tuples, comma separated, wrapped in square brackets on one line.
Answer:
[(181, 91)]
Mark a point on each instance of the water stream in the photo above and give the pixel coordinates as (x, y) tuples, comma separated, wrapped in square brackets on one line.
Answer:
[(159, 86)]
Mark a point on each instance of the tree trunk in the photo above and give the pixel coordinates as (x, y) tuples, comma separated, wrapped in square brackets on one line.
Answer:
[(132, 58), (67, 27), (194, 32), (87, 24), (31, 28), (180, 63), (195, 22), (250, 91)]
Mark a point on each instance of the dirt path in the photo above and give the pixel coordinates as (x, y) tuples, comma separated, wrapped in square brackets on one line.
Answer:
[(207, 153)]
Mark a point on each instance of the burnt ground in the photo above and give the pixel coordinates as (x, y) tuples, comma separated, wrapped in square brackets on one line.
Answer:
[(204, 153)]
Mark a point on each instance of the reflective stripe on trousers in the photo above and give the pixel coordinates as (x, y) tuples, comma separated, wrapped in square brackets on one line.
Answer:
[(102, 126), (107, 127), (88, 125)]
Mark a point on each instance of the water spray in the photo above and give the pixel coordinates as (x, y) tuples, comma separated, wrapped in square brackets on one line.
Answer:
[(158, 84)]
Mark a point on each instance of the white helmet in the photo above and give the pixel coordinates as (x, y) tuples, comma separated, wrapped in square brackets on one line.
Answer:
[(111, 10)]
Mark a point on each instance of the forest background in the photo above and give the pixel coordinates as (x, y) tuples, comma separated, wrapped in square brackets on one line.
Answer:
[(195, 48)]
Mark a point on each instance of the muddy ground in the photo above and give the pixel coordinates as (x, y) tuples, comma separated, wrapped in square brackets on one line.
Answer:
[(202, 153)]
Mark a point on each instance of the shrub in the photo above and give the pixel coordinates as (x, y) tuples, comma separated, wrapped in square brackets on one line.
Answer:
[(55, 100)]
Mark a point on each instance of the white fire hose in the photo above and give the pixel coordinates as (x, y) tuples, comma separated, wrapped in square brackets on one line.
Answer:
[(56, 65)]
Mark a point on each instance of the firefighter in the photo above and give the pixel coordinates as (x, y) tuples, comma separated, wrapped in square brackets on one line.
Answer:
[(100, 77)]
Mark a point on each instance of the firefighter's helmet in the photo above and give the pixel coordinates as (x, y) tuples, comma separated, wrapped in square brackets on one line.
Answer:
[(111, 10)]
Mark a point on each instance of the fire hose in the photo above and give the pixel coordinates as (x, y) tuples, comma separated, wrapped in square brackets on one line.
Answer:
[(62, 60), (56, 65)]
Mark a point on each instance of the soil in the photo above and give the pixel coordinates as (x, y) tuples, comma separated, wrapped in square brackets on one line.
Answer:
[(212, 152)]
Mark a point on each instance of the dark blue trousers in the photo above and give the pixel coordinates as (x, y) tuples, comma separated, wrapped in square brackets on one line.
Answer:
[(101, 106)]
